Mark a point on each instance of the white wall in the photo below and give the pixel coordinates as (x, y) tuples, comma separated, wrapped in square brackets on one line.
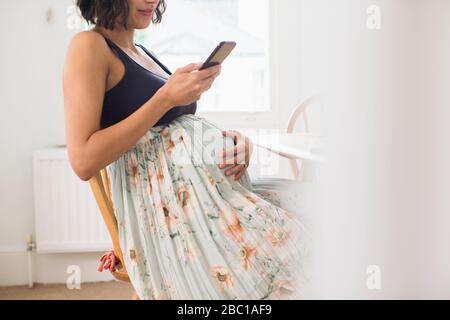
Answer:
[(31, 61), (368, 212), (385, 188), (432, 43)]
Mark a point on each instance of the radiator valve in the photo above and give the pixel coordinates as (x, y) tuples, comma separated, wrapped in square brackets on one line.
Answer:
[(31, 245)]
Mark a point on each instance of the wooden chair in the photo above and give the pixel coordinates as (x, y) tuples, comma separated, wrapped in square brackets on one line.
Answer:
[(298, 112), (102, 193)]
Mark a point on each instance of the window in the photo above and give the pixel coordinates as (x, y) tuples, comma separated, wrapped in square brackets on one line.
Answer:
[(191, 29)]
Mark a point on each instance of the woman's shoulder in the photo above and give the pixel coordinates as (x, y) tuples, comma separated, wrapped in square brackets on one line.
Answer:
[(88, 40), (88, 49)]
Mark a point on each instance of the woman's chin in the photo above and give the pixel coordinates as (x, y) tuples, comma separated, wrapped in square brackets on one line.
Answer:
[(141, 24)]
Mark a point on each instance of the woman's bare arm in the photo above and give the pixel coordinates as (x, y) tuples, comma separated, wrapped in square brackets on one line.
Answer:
[(90, 148)]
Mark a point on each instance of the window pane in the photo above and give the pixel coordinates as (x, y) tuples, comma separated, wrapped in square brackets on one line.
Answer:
[(191, 29)]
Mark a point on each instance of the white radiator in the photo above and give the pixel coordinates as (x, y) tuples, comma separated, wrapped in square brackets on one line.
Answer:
[(67, 218)]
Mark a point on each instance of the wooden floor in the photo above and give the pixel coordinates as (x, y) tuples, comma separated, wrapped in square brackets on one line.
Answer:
[(113, 290)]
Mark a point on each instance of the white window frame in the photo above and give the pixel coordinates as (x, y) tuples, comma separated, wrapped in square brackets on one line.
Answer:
[(261, 119)]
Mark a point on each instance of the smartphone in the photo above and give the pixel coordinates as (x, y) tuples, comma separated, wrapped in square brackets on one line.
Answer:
[(219, 54)]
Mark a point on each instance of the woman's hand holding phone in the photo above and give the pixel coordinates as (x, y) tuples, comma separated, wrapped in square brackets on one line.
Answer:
[(187, 84)]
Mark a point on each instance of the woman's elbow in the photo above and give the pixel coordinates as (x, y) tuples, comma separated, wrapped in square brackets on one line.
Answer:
[(84, 175), (81, 167)]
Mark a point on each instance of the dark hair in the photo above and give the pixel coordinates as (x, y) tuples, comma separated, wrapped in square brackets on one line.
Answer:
[(105, 13)]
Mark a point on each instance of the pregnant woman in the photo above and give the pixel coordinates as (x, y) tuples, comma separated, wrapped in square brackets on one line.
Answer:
[(190, 226)]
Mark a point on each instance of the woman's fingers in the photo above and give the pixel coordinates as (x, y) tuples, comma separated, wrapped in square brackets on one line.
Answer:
[(242, 140), (234, 156), (237, 149), (240, 154), (231, 133), (239, 139), (190, 67), (231, 160), (240, 173), (234, 170), (209, 72), (207, 83), (240, 158)]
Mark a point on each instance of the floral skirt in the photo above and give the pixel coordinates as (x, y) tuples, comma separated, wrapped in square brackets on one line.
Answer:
[(188, 231)]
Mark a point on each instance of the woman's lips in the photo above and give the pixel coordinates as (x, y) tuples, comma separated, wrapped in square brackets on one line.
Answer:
[(147, 13)]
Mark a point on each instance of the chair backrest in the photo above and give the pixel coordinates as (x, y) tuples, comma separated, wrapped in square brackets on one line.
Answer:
[(101, 189), (293, 119)]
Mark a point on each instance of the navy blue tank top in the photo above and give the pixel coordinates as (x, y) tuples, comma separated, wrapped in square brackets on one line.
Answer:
[(135, 88)]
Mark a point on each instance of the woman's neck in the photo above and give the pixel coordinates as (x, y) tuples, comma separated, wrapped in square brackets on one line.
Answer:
[(122, 37)]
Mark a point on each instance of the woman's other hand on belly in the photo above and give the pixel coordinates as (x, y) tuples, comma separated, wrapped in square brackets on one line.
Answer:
[(237, 158)]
